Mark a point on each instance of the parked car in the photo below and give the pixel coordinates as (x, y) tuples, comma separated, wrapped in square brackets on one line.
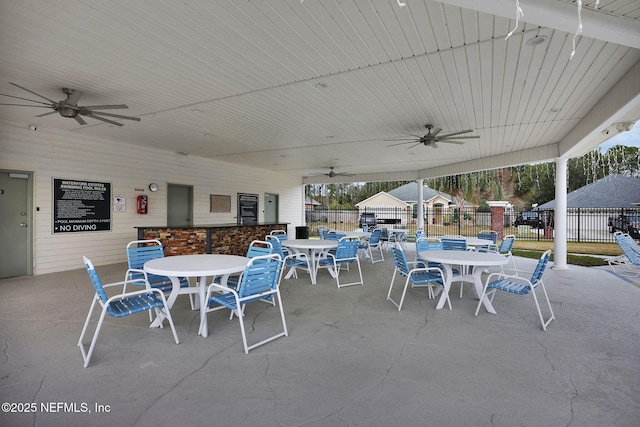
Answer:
[(368, 219), (625, 223), (531, 218)]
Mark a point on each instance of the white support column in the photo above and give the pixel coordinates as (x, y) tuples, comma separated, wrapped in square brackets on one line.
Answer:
[(420, 203), (560, 219)]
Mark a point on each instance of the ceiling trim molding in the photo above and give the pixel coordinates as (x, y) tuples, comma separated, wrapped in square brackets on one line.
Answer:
[(535, 155), (620, 104), (562, 16)]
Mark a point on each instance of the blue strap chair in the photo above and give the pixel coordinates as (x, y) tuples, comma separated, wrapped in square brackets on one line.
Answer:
[(322, 231), (429, 244), (334, 235), (260, 281), (630, 258), (138, 253), (120, 305), (414, 274), (257, 248), (489, 235), (456, 243), (506, 245), (388, 239), (345, 254), (291, 261), (520, 286), (280, 234), (373, 242)]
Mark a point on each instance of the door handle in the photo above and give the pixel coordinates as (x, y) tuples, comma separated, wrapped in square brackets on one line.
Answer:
[(23, 224)]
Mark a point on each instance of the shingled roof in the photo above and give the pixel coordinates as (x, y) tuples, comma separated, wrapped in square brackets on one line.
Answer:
[(613, 191), (409, 193)]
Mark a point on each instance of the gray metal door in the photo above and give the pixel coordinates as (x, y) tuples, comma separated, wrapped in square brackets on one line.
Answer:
[(179, 205), (15, 224), (270, 208)]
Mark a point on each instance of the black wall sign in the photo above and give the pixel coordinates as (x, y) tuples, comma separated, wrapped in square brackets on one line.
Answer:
[(80, 206), (247, 209)]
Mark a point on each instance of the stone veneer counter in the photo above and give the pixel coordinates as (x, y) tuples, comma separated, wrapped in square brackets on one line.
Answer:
[(229, 239)]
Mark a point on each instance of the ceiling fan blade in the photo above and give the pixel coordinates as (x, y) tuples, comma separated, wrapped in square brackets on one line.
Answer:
[(102, 119), (407, 137), (450, 141), (415, 145), (442, 138), (24, 99), (460, 132), (25, 105), (400, 143), (46, 114), (436, 131), (30, 91), (401, 139), (80, 120), (74, 97), (105, 107), (118, 116)]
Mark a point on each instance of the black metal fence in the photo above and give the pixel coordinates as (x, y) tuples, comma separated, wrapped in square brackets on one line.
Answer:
[(583, 224)]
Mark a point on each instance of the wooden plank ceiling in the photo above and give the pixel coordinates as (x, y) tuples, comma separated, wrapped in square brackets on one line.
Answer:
[(298, 86)]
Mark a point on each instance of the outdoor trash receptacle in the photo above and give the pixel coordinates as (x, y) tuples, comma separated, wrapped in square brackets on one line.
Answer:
[(302, 232), (548, 232)]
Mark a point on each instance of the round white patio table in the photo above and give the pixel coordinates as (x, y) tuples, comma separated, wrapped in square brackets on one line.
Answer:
[(398, 233), (479, 260), (358, 234), (202, 266), (313, 247), (474, 241)]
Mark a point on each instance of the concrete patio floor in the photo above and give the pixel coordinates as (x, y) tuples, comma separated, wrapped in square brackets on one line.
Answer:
[(351, 359)]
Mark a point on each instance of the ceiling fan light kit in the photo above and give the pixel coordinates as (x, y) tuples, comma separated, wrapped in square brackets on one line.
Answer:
[(69, 107)]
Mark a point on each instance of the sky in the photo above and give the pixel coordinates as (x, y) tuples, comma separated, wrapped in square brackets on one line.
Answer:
[(631, 138)]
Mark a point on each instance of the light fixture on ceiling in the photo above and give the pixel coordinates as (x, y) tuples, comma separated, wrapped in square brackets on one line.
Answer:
[(624, 126), (554, 110), (183, 153), (535, 41), (322, 85)]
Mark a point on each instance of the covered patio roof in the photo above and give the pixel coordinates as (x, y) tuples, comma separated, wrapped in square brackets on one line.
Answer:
[(299, 86)]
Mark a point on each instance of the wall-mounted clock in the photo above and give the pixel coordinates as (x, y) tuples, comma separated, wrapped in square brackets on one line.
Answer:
[(153, 186)]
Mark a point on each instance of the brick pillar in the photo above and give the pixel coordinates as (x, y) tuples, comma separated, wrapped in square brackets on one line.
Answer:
[(497, 220)]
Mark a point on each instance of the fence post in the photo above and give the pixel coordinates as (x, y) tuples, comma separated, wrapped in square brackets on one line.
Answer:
[(497, 217)]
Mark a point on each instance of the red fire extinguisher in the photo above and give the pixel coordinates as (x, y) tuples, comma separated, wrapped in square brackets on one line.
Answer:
[(142, 204)]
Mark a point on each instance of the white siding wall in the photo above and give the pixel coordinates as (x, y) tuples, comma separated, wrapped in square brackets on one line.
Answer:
[(57, 154)]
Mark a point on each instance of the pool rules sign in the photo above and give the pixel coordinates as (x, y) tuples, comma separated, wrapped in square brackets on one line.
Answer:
[(81, 206)]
